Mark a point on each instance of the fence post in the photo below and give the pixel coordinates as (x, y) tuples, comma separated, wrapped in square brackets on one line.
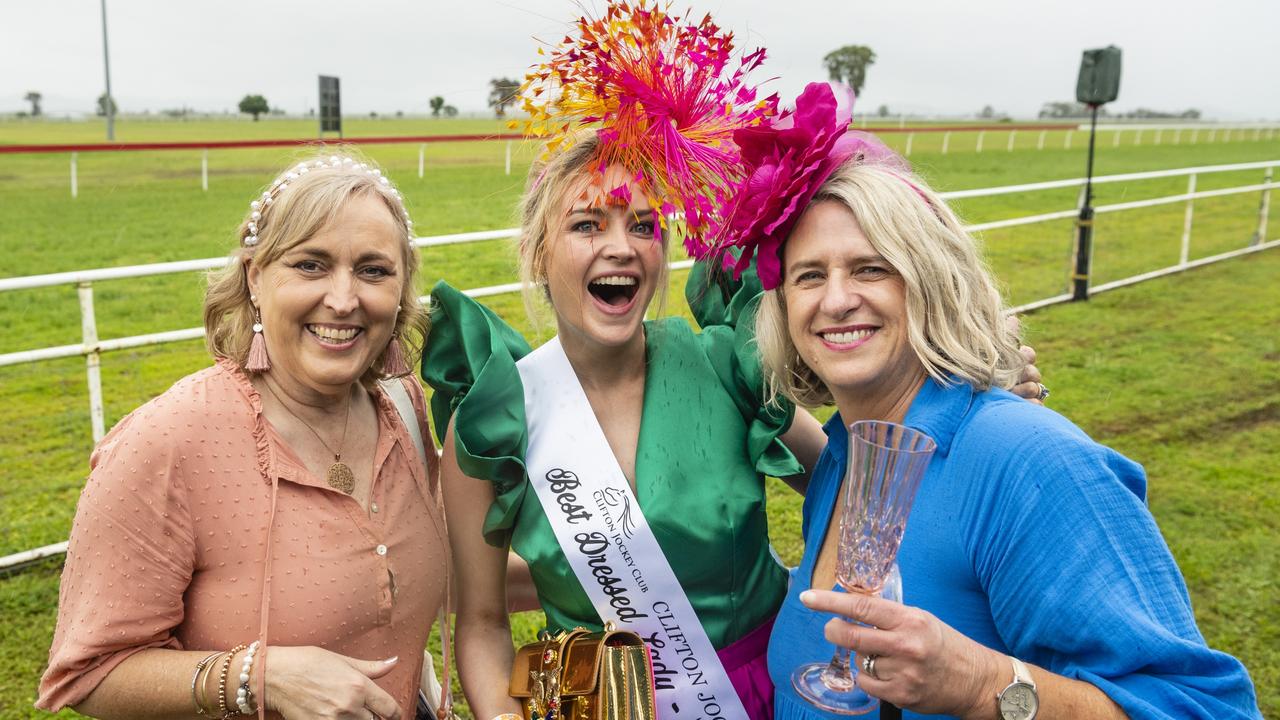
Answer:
[(1177, 135), (1066, 144), (910, 139), (1264, 209), (422, 159), (946, 140), (981, 134), (1195, 133), (1226, 136), (204, 170), (1040, 142), (1212, 132), (1137, 139), (1012, 134), (75, 191), (1159, 132), (1257, 133), (1186, 221), (89, 331), (1115, 141), (508, 157), (902, 120)]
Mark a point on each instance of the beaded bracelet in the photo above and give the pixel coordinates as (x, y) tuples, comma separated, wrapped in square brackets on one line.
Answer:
[(196, 676), (244, 697), (222, 682)]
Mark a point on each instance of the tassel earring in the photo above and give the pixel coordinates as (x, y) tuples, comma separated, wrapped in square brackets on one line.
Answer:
[(257, 362), (394, 364)]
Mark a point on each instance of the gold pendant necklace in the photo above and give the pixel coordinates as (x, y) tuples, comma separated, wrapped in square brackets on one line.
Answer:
[(339, 475)]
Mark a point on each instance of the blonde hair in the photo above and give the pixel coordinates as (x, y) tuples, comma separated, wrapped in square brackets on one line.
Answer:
[(296, 212), (955, 315), (552, 178)]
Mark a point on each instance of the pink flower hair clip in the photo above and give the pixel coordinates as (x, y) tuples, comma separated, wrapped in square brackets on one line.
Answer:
[(785, 163)]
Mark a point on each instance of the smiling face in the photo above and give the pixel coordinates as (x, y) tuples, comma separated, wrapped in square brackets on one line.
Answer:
[(603, 264), (329, 303), (846, 308)]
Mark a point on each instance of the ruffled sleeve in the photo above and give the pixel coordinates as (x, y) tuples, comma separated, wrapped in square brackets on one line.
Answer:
[(726, 310), (716, 298), (470, 363)]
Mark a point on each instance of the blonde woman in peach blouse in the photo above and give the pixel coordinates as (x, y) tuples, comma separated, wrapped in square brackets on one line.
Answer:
[(265, 538)]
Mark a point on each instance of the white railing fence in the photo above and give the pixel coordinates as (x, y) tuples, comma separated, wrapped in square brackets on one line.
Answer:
[(967, 139), (92, 348)]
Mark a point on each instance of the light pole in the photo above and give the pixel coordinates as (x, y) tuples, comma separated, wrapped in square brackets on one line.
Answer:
[(1099, 83), (106, 63)]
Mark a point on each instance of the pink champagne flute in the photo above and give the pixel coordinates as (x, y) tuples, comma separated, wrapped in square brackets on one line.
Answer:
[(887, 461)]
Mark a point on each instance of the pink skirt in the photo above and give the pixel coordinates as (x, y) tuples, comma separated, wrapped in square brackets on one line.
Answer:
[(748, 670)]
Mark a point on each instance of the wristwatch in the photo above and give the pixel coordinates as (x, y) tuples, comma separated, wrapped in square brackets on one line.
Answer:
[(1019, 700)]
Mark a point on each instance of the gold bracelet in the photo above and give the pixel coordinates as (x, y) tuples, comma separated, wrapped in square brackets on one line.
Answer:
[(200, 666), (204, 685), (222, 682)]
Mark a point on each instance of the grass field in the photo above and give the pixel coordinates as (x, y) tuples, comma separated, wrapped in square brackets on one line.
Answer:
[(1183, 373)]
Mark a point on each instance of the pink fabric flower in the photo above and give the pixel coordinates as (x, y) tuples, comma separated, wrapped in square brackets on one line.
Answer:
[(786, 162)]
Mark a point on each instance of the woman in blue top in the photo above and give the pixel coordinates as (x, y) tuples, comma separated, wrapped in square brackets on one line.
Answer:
[(1029, 553)]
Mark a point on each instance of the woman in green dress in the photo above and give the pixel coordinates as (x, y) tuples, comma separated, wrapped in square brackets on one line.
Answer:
[(682, 413)]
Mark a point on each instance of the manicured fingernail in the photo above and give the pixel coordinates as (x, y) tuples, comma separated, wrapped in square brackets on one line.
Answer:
[(807, 597), (391, 660)]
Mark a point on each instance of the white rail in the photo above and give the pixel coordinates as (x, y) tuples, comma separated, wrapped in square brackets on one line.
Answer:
[(92, 348)]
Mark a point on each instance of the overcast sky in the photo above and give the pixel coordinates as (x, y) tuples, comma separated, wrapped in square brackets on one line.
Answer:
[(935, 57)]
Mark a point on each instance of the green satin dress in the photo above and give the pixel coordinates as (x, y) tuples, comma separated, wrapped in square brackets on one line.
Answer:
[(706, 442)]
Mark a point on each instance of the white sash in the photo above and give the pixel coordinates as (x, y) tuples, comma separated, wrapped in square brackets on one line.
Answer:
[(610, 545)]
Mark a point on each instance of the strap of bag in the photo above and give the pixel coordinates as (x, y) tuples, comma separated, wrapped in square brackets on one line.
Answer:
[(441, 706)]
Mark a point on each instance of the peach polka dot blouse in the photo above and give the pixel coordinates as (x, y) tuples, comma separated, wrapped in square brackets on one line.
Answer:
[(170, 546)]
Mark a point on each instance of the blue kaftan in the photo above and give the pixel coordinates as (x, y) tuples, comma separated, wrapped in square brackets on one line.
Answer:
[(1031, 539)]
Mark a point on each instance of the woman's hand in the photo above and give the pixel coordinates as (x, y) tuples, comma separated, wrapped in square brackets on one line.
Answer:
[(921, 663), (1028, 386), (311, 682)]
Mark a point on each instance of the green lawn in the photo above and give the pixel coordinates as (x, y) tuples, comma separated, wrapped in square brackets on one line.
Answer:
[(1182, 373)]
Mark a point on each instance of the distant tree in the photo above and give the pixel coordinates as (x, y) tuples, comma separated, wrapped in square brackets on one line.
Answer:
[(849, 65), (502, 93), (450, 111), (254, 105), (34, 98), (103, 103), (882, 111), (437, 104), (1063, 110), (1149, 114), (987, 113)]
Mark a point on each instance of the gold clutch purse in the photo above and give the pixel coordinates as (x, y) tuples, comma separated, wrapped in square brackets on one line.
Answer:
[(581, 675)]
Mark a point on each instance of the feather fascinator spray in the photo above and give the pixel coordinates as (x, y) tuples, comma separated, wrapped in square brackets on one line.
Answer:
[(666, 95)]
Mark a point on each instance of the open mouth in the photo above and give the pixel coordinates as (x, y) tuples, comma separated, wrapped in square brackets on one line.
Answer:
[(614, 290), (330, 335)]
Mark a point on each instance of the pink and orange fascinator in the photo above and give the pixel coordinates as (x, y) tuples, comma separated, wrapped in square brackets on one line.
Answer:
[(655, 87), (784, 163)]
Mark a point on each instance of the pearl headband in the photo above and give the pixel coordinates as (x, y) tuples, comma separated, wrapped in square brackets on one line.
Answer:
[(259, 206)]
